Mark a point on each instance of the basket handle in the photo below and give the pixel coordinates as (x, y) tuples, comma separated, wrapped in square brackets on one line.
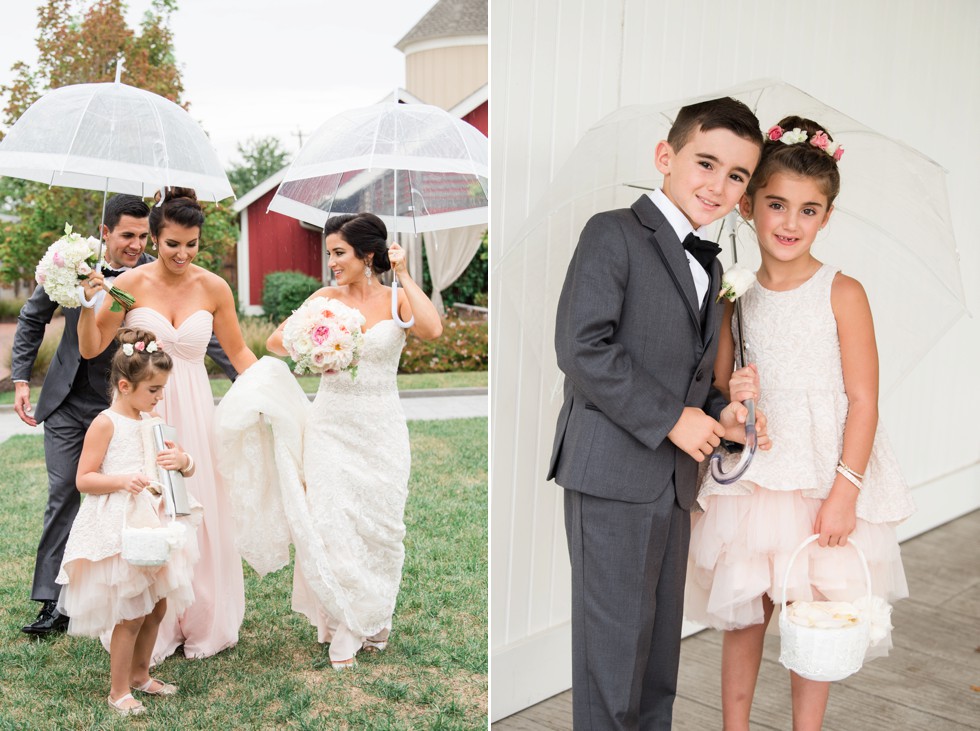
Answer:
[(811, 539)]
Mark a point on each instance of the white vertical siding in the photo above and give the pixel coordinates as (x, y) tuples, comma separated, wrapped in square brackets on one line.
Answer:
[(908, 68)]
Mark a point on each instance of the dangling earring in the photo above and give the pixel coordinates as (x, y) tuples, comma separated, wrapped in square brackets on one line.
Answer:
[(368, 273), (153, 245)]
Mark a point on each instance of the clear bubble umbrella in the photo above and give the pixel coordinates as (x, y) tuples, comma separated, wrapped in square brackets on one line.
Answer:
[(415, 166), (112, 137)]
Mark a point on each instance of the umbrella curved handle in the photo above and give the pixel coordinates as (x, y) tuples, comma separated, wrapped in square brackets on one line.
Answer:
[(87, 303), (394, 308), (751, 442)]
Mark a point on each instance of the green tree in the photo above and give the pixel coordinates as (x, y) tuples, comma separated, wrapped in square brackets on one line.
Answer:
[(77, 48), (261, 158)]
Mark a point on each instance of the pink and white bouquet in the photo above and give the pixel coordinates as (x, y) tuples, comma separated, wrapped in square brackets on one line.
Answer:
[(324, 335), (68, 261)]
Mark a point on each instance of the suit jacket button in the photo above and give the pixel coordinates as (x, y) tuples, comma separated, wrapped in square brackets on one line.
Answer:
[(698, 376)]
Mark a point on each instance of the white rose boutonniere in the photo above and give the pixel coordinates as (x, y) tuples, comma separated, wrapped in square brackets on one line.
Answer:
[(735, 282)]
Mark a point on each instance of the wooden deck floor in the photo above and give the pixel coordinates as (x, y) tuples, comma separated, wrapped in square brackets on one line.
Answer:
[(930, 681)]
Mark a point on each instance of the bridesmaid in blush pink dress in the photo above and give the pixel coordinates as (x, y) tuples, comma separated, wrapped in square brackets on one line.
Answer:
[(183, 303)]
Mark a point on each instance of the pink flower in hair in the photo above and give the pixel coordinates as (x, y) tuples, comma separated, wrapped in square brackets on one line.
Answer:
[(775, 132), (839, 152), (820, 140), (139, 345)]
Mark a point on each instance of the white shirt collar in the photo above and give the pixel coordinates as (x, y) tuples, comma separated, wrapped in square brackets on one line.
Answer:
[(677, 220)]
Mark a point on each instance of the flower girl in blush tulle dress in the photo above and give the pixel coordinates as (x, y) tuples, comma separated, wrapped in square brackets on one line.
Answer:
[(808, 329), (102, 591)]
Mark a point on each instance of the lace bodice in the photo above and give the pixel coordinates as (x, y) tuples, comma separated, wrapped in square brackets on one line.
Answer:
[(792, 337), (125, 452)]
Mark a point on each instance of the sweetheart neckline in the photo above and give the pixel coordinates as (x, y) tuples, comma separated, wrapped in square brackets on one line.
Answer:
[(367, 330), (167, 320)]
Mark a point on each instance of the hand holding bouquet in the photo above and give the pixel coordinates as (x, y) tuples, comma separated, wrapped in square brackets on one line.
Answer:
[(324, 335), (68, 261)]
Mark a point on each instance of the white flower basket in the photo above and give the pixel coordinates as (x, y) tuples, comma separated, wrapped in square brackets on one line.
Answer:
[(151, 546), (824, 653)]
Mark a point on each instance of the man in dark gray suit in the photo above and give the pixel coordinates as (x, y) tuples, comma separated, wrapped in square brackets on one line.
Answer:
[(636, 337), (75, 390)]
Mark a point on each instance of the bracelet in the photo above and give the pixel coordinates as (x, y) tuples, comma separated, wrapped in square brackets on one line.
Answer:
[(850, 475), (190, 464)]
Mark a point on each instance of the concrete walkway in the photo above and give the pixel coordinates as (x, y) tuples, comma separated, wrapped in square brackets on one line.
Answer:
[(455, 403)]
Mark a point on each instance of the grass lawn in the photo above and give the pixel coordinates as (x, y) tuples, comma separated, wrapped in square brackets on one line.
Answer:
[(432, 676), (406, 382)]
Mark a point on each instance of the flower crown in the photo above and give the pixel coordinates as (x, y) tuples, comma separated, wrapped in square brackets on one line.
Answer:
[(796, 136), (150, 346)]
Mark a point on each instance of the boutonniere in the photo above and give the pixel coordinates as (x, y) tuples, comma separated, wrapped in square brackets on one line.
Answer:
[(735, 282)]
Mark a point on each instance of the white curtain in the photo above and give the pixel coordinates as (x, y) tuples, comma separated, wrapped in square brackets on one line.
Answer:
[(449, 252)]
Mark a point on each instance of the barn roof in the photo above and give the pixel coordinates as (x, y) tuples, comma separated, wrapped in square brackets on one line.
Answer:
[(446, 19)]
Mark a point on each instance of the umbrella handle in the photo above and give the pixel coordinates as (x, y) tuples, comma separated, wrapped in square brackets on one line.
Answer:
[(87, 303), (751, 442), (394, 308)]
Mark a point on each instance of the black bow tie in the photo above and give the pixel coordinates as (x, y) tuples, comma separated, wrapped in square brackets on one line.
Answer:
[(704, 251), (109, 272)]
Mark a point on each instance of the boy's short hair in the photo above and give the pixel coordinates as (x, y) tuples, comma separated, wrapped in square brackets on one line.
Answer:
[(124, 205), (724, 113)]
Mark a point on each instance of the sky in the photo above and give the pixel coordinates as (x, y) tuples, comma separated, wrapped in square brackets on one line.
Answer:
[(253, 68)]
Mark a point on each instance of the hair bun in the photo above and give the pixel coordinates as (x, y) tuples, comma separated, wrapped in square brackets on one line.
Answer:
[(173, 193)]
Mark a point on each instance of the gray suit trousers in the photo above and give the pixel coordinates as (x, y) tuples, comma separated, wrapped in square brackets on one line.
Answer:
[(626, 613), (64, 432)]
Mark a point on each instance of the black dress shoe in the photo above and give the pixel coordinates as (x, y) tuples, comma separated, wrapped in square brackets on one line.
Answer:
[(49, 620)]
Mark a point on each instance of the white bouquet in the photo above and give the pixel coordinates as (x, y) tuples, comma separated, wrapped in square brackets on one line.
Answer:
[(324, 336), (68, 261)]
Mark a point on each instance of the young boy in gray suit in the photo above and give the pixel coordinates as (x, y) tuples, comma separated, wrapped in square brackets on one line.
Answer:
[(636, 337)]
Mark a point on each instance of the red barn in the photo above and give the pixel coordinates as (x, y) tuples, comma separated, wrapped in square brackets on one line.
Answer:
[(271, 242)]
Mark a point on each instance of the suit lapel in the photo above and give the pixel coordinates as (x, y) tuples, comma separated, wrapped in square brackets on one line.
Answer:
[(715, 309), (667, 246)]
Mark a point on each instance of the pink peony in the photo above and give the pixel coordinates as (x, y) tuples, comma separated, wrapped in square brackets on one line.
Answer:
[(839, 153), (59, 260), (820, 140), (320, 334), (775, 132)]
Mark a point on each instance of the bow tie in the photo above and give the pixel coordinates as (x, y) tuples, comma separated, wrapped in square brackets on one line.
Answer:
[(704, 251), (110, 272)]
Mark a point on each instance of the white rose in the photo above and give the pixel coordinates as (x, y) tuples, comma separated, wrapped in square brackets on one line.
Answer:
[(793, 137), (735, 282)]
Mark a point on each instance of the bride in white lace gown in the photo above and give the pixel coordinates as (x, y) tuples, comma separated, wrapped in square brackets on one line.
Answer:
[(350, 452)]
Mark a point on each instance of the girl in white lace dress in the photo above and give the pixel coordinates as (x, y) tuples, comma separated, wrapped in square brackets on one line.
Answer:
[(808, 329), (102, 591)]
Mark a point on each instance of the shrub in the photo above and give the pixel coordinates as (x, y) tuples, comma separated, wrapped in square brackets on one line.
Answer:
[(10, 308), (283, 292), (461, 347)]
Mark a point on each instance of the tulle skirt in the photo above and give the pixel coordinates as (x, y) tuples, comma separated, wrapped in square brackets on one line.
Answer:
[(740, 547), (101, 594)]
